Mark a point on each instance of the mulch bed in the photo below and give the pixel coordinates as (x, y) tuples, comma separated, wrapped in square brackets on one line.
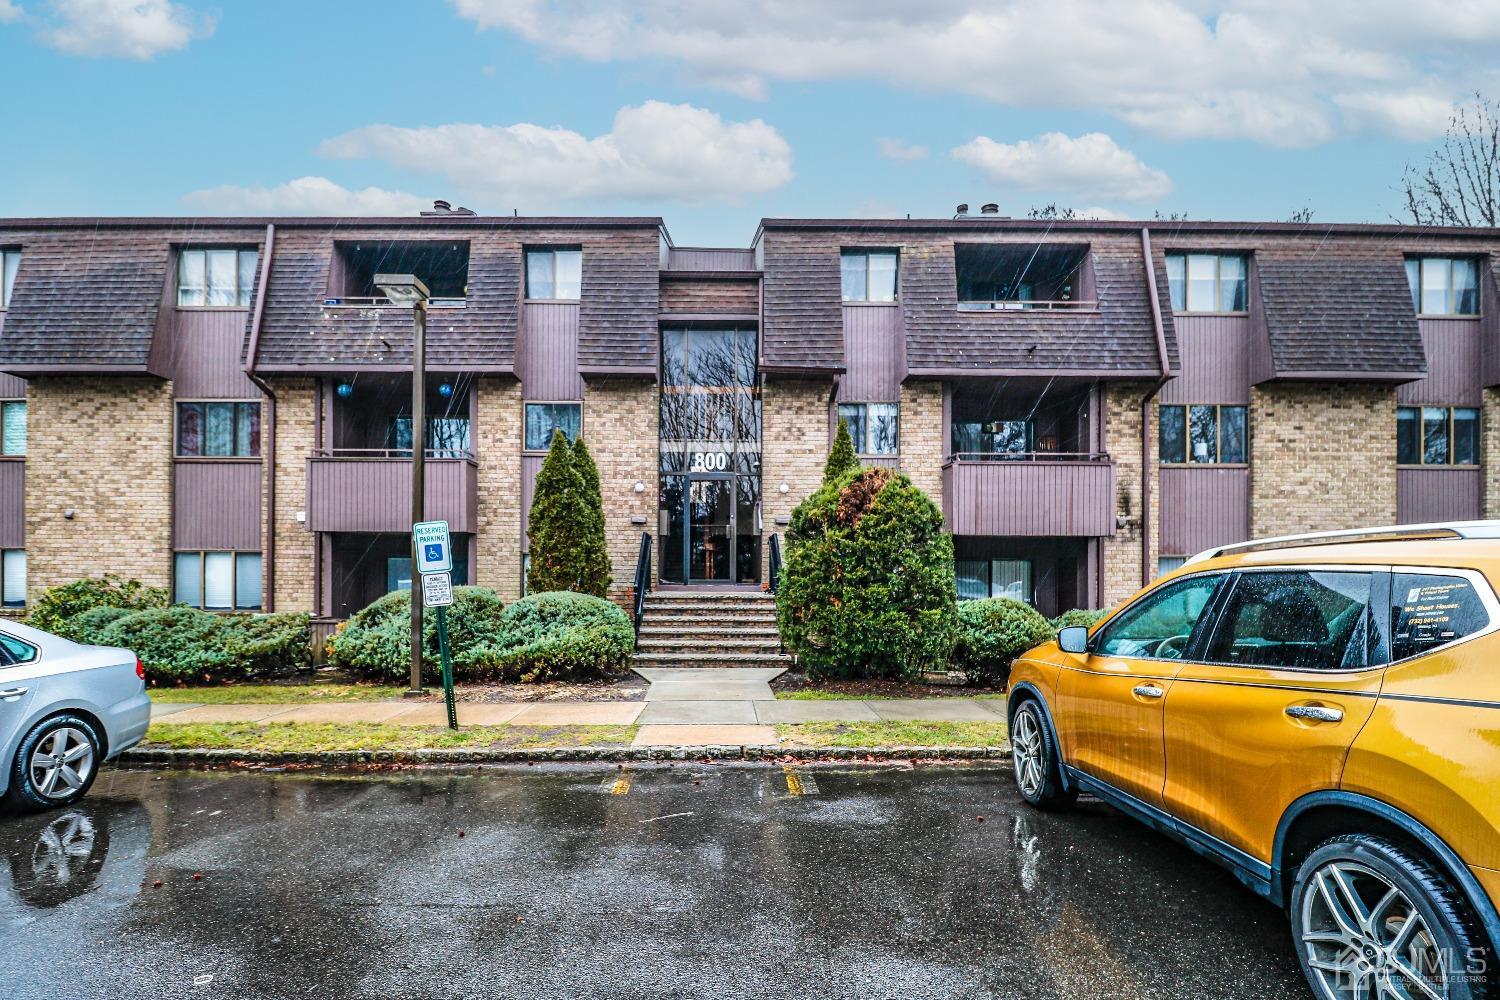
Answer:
[(937, 687)]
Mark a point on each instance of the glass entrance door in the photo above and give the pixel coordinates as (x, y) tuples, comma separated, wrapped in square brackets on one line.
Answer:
[(710, 529)]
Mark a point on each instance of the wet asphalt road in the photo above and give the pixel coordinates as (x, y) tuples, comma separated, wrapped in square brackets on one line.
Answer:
[(699, 882)]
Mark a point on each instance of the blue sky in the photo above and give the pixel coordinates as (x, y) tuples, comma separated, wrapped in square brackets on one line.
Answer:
[(716, 114)]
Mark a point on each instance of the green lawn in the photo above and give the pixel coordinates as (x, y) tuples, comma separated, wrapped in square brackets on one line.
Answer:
[(310, 737), (276, 694), (893, 734)]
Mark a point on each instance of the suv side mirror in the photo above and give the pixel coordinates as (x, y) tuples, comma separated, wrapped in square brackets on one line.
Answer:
[(1073, 639)]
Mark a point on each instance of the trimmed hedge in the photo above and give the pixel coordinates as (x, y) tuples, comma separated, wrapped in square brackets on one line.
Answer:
[(1079, 616), (376, 641), (57, 606), (992, 633), (557, 635), (182, 645), (868, 588)]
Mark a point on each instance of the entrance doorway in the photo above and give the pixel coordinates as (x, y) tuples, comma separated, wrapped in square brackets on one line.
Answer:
[(710, 529)]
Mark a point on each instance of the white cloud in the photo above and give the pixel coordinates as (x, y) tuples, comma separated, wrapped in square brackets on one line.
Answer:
[(1088, 166), (9, 12), (900, 150), (1269, 70), (1409, 116), (1106, 214), (304, 196), (130, 29), (654, 151)]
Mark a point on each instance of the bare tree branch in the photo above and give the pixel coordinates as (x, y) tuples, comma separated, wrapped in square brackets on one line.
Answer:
[(1459, 185)]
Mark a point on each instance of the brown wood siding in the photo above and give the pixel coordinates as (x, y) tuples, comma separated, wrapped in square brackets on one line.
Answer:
[(1489, 320), (530, 466), (1454, 349), (12, 504), (12, 387), (874, 354), (1426, 495), (216, 505), (547, 362), (1059, 499), (1215, 353), (803, 300), (617, 328), (202, 356), (374, 494), (1203, 507), (710, 295)]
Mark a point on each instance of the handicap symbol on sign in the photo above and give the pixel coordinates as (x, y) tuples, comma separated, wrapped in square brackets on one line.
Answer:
[(432, 553)]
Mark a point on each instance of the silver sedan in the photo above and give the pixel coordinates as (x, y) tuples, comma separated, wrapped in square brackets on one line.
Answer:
[(65, 708)]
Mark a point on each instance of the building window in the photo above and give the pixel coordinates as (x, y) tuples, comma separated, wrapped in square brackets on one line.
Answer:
[(1203, 434), (13, 578), (215, 278), (13, 427), (1444, 286), (218, 581), (1437, 435), (554, 274), (1208, 282), (10, 263), (869, 275), (872, 426), (542, 419), (981, 578), (218, 430), (1169, 564)]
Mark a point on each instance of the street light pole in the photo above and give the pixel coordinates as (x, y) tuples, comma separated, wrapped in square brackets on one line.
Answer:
[(408, 290)]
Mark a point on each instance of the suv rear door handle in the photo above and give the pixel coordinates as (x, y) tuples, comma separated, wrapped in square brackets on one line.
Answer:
[(10, 693), (1147, 691), (1315, 713)]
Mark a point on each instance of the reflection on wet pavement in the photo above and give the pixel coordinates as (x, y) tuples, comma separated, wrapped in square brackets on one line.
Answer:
[(700, 881)]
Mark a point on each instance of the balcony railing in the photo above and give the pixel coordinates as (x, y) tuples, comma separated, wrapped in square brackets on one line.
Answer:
[(369, 490), (377, 301), (1008, 305), (1046, 494)]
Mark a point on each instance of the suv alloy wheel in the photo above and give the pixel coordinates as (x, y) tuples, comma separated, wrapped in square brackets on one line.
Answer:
[(1035, 760)]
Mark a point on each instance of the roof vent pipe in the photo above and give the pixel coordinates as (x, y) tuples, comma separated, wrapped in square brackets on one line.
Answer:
[(961, 211), (989, 208), (441, 206), (460, 210)]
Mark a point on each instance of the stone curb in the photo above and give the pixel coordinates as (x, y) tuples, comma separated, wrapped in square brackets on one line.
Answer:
[(163, 757)]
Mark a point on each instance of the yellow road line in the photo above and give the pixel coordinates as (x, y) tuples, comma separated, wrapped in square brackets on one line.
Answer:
[(621, 785), (793, 781)]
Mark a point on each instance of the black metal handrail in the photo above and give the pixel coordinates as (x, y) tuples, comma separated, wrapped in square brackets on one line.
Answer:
[(642, 580), (775, 568)]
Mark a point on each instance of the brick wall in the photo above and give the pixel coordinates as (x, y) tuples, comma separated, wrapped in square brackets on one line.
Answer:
[(1122, 440), (1322, 457), (620, 425), (497, 442), (296, 437), (922, 436), (101, 447), (794, 446), (1489, 456)]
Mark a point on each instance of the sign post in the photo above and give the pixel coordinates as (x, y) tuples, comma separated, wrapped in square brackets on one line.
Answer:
[(435, 564)]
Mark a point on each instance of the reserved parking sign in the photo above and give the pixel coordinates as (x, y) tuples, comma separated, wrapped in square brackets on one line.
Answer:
[(434, 552)]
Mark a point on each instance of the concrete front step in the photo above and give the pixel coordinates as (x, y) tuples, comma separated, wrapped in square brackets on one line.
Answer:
[(711, 659), (711, 631), (709, 621), (710, 647), (732, 607)]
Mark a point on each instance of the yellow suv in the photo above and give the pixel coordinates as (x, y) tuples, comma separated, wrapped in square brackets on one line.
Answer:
[(1319, 713)]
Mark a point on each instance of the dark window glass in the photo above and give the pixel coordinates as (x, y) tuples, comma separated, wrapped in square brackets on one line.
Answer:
[(1465, 436), (1232, 434), (853, 416), (218, 430), (1303, 620), (1203, 433), (1465, 287), (1232, 285), (541, 420), (1429, 611), (1444, 286), (1434, 435), (1174, 434), (1408, 436), (13, 651), (1159, 625)]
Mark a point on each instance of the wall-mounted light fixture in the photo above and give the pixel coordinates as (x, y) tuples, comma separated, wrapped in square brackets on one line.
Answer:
[(344, 389), (783, 488), (68, 514), (445, 389), (639, 486)]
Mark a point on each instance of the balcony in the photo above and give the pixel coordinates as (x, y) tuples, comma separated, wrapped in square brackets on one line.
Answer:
[(369, 490), (1036, 494), (1004, 277)]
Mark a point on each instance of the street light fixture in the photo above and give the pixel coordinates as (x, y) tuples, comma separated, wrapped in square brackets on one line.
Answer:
[(408, 290)]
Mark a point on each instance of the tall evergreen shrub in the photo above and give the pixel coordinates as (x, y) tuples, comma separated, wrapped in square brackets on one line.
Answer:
[(841, 457), (595, 551)]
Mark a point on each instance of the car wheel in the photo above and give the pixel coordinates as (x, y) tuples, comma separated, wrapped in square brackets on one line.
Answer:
[(1371, 920), (55, 763), (1035, 760)]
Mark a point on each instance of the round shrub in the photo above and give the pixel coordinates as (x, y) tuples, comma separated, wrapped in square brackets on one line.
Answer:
[(269, 644), (992, 633), (177, 645), (1079, 616), (57, 605), (376, 642), (88, 625), (867, 589), (556, 635)]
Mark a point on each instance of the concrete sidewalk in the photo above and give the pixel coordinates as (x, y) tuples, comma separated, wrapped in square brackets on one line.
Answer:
[(683, 707)]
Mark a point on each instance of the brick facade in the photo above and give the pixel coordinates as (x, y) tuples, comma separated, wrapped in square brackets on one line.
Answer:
[(100, 447), (497, 442), (923, 437), (1122, 440), (1489, 453), (296, 437), (1310, 442), (794, 446), (620, 418)]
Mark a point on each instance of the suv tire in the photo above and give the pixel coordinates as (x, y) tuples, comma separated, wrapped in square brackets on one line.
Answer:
[(1035, 760), (55, 763), (1370, 918)]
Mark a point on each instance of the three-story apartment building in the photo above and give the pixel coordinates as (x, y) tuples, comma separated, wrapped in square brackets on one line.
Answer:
[(222, 406)]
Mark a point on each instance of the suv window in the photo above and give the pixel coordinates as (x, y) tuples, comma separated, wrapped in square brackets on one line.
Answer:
[(14, 651), (1159, 625), (1429, 611), (1301, 620)]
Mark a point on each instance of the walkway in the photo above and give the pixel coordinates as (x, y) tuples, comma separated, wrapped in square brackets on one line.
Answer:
[(683, 707)]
